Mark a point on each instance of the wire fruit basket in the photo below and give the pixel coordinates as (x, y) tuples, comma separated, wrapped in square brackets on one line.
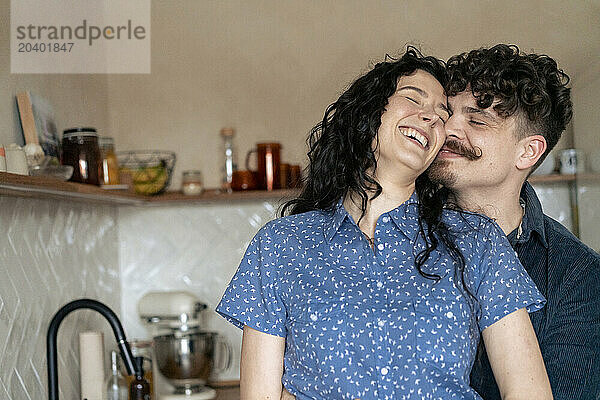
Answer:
[(150, 171)]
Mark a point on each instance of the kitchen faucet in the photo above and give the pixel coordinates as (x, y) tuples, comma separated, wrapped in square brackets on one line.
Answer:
[(53, 331)]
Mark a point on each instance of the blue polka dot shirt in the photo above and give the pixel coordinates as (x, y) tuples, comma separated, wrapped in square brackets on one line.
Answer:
[(361, 322)]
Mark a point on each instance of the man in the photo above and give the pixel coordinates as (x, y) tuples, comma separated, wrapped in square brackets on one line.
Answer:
[(509, 110)]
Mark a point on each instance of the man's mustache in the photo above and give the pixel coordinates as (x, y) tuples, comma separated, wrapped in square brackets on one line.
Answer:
[(457, 147)]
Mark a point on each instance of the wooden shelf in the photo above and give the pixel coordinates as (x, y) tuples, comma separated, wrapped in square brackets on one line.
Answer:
[(558, 178), (49, 188), (216, 195), (554, 178)]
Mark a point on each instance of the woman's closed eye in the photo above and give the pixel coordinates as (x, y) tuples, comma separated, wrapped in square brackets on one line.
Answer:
[(413, 100)]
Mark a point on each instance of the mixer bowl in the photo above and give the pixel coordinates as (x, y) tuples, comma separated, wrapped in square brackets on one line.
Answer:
[(186, 360)]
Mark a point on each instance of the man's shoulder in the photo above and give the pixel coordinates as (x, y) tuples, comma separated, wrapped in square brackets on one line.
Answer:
[(561, 238), (569, 253)]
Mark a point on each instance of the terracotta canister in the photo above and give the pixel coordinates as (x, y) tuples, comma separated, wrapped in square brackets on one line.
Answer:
[(268, 162)]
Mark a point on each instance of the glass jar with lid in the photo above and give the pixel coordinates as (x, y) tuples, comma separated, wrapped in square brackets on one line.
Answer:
[(110, 165), (191, 183), (80, 150)]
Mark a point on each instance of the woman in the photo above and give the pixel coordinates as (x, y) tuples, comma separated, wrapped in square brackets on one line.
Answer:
[(370, 289)]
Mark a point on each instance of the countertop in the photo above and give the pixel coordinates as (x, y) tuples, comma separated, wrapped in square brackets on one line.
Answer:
[(228, 393)]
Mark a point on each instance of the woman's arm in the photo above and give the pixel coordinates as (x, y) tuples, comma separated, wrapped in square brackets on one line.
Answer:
[(261, 366), (516, 359)]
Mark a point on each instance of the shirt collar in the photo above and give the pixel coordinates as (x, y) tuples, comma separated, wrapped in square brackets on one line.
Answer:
[(339, 215), (405, 216), (533, 219)]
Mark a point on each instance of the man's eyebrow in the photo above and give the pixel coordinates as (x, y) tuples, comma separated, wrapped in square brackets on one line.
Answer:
[(424, 94), (477, 111)]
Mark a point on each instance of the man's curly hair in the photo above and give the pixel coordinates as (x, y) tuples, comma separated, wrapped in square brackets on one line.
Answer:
[(529, 86)]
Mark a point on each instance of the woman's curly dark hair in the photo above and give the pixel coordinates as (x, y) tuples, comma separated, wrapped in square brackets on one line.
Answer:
[(527, 85), (341, 153)]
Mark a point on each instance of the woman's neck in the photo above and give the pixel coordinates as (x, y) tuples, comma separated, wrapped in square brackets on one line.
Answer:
[(386, 201)]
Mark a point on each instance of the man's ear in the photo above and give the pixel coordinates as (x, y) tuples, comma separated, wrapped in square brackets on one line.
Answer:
[(531, 149)]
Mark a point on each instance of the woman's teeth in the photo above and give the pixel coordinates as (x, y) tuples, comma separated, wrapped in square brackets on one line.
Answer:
[(414, 134)]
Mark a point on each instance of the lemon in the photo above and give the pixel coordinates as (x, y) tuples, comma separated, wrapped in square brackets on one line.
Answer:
[(148, 180)]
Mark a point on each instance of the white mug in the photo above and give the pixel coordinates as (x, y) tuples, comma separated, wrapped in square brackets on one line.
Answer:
[(571, 162)]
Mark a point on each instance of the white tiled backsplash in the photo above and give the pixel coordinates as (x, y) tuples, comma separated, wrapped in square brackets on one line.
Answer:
[(589, 214), (51, 252), (556, 202), (193, 248)]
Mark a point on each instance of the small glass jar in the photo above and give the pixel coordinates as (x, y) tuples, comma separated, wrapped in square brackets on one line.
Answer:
[(110, 165), (191, 183)]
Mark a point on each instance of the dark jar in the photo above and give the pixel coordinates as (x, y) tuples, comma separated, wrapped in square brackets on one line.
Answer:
[(80, 150)]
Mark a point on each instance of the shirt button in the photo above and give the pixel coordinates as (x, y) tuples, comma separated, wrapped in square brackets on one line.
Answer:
[(380, 284), (384, 371), (385, 219), (380, 246), (449, 314), (381, 323), (313, 317)]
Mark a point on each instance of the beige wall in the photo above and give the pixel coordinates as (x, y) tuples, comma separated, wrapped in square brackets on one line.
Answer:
[(78, 100), (586, 124), (586, 119), (269, 68)]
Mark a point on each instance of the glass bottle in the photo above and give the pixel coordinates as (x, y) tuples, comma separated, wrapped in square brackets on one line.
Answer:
[(116, 385), (110, 165), (230, 165)]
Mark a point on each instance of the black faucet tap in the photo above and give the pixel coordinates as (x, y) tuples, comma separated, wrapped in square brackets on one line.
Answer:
[(53, 331)]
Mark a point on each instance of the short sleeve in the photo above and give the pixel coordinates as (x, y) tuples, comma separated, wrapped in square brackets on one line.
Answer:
[(504, 286), (251, 297)]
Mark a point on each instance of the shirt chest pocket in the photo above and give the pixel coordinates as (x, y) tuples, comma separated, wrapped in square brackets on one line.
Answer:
[(316, 311), (444, 331), (318, 326)]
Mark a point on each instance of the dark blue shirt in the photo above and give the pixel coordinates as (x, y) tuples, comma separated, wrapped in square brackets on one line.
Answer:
[(362, 322), (567, 273)]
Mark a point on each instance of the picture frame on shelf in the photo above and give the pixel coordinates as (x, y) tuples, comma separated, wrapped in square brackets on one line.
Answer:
[(38, 124)]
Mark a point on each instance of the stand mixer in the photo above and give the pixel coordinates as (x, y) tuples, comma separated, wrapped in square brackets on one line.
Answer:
[(184, 354)]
